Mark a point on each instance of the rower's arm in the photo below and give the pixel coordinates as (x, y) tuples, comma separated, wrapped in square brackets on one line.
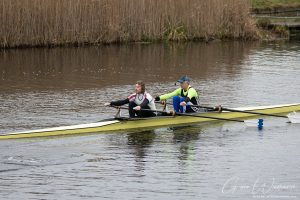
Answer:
[(170, 95), (119, 102)]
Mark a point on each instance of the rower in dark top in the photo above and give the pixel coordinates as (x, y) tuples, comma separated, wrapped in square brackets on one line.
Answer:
[(137, 102)]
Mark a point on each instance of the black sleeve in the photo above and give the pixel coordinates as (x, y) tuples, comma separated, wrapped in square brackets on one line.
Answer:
[(145, 103), (119, 102)]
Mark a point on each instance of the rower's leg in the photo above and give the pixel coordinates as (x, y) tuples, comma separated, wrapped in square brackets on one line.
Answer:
[(176, 103), (146, 113), (182, 108), (189, 108), (131, 110)]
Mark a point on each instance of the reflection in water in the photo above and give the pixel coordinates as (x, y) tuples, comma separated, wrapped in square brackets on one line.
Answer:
[(139, 142), (141, 139), (186, 138), (49, 87), (46, 68)]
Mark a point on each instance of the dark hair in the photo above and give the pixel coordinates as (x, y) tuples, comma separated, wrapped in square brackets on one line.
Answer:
[(142, 84)]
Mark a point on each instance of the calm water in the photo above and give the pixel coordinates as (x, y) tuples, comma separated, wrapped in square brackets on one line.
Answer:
[(51, 87)]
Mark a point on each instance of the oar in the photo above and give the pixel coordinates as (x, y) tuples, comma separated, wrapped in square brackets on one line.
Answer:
[(259, 123), (234, 110)]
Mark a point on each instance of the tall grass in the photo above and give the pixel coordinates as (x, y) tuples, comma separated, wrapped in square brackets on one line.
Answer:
[(60, 22)]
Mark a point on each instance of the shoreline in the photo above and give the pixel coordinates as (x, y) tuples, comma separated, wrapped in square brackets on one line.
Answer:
[(89, 22), (76, 45), (236, 24), (264, 35)]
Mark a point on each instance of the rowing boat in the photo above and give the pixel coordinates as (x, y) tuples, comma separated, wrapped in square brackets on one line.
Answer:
[(123, 124)]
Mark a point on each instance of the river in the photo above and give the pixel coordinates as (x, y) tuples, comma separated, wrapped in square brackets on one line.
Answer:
[(48, 87)]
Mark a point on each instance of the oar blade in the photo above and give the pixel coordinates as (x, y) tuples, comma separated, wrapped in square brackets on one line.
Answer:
[(294, 117)]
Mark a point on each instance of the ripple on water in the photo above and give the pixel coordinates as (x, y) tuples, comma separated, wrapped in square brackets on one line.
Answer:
[(212, 161)]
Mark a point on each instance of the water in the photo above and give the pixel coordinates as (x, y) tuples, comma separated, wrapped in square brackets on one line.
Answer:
[(51, 87)]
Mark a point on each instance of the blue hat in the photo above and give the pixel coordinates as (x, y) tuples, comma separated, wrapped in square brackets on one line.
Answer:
[(184, 78)]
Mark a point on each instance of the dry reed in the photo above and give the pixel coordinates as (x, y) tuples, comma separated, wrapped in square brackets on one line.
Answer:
[(62, 22)]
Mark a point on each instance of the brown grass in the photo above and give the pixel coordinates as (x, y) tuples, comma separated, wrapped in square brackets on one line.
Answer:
[(62, 22)]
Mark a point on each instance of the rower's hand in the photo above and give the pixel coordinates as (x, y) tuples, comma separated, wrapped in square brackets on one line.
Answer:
[(137, 108), (107, 104), (183, 103), (218, 108)]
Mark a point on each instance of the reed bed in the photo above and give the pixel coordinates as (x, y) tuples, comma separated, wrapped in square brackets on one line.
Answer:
[(77, 22)]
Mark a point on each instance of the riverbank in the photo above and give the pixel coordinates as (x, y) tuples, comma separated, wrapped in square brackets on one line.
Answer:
[(28, 23), (277, 19), (261, 6)]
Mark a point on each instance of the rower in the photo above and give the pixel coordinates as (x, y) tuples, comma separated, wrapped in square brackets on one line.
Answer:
[(141, 103), (184, 97)]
